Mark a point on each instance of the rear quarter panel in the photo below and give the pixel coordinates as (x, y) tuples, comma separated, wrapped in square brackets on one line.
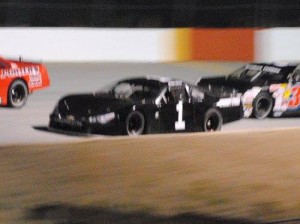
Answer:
[(231, 114), (4, 85), (199, 112)]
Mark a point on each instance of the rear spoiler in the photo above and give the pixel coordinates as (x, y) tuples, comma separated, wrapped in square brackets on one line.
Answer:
[(21, 59)]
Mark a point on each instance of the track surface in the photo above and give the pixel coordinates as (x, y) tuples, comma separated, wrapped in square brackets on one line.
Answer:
[(28, 124)]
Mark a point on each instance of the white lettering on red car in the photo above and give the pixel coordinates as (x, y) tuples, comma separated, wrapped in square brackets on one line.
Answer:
[(35, 77)]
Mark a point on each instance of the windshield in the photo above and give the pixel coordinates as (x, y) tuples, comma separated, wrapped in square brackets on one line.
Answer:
[(245, 74), (130, 90)]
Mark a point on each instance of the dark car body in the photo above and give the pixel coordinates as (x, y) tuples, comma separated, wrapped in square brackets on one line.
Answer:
[(266, 88), (145, 105)]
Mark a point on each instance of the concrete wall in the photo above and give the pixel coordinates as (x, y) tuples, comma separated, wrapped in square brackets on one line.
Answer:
[(150, 45), (83, 44), (277, 44), (223, 44)]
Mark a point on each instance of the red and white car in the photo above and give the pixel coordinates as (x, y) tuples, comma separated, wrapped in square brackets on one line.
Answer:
[(18, 79)]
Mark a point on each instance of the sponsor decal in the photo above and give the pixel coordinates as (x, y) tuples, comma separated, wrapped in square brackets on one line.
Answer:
[(66, 121), (18, 72), (70, 118), (35, 77), (281, 94), (271, 69), (294, 97), (247, 100), (229, 102), (287, 97), (175, 84), (254, 67)]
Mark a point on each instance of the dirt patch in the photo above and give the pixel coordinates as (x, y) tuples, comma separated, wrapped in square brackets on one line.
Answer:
[(238, 175)]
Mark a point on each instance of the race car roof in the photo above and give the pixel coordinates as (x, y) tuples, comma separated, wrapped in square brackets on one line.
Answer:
[(278, 64), (149, 81)]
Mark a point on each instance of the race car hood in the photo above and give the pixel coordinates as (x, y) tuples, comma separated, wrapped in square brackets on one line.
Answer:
[(83, 105), (224, 84)]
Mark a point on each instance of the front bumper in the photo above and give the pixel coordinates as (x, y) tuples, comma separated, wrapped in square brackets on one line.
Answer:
[(82, 125), (68, 124)]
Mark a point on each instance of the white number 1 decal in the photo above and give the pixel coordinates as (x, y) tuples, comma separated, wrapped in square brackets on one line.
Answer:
[(180, 124)]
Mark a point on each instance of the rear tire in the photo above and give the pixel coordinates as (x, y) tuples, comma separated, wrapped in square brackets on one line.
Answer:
[(213, 120), (262, 105), (17, 94), (135, 123)]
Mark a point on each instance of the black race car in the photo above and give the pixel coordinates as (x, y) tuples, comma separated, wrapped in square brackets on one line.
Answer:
[(267, 89), (145, 105)]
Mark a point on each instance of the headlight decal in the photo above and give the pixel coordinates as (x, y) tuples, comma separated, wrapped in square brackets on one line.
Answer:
[(102, 119)]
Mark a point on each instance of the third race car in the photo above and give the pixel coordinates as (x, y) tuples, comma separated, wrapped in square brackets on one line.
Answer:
[(145, 105), (267, 89)]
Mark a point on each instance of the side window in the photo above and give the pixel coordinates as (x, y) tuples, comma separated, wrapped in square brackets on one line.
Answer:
[(174, 95), (197, 94), (123, 90), (170, 96), (268, 78), (264, 79)]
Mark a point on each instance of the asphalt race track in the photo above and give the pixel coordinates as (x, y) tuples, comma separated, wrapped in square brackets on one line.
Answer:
[(29, 124)]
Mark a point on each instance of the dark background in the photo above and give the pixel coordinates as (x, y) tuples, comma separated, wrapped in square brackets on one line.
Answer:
[(150, 13)]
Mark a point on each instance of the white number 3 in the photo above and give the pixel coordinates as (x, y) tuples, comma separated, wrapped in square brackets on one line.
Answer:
[(180, 124)]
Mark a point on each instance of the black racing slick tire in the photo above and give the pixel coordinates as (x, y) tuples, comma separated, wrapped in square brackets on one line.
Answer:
[(213, 120), (17, 94), (135, 123), (262, 105)]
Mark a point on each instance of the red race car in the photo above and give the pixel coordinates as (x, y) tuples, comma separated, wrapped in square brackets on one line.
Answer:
[(18, 79)]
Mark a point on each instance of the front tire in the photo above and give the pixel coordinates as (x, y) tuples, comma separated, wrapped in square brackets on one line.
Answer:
[(213, 120), (262, 105), (135, 123), (17, 94)]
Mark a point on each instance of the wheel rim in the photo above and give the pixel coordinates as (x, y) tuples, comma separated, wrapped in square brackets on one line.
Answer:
[(212, 123), (135, 125), (263, 106), (18, 94)]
